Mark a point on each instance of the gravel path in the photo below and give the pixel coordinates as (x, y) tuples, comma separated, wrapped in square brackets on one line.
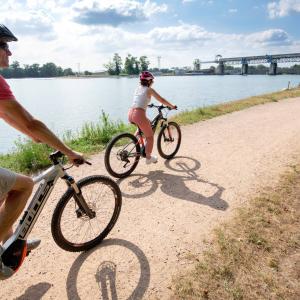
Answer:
[(168, 209)]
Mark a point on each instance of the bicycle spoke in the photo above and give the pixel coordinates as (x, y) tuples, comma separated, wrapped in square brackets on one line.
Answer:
[(122, 155), (169, 140), (100, 199)]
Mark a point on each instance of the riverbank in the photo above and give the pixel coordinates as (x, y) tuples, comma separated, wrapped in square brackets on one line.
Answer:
[(205, 113), (159, 74), (29, 157)]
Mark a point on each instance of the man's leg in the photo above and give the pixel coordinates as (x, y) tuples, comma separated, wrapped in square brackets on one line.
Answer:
[(14, 204)]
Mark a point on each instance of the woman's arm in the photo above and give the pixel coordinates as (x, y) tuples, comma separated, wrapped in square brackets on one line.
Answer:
[(158, 97)]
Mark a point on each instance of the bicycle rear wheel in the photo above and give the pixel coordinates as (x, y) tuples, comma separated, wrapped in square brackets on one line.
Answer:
[(72, 229), (169, 140), (122, 155)]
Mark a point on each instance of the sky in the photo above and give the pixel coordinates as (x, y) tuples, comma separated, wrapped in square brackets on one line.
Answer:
[(86, 33)]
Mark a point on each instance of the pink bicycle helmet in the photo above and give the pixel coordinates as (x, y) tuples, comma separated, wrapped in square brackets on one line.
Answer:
[(146, 75)]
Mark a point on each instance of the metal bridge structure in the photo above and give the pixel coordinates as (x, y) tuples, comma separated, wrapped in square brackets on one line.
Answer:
[(273, 60)]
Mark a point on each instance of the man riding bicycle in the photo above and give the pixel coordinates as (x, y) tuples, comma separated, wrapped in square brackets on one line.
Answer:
[(15, 189)]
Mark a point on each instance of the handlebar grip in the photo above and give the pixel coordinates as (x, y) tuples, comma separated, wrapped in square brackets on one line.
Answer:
[(81, 162), (78, 161)]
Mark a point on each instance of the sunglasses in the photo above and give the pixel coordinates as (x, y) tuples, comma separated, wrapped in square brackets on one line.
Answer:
[(4, 46)]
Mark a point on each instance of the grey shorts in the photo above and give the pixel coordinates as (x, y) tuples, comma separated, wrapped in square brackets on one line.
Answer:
[(7, 181)]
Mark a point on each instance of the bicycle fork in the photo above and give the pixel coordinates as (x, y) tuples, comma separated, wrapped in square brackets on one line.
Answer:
[(169, 138), (83, 208)]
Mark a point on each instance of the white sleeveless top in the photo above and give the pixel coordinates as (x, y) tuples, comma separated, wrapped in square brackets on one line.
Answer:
[(140, 98)]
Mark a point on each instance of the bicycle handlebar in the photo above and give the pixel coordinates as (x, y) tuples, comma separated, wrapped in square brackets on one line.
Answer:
[(160, 107), (57, 154)]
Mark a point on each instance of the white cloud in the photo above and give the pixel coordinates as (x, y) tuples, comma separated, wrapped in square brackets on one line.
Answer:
[(31, 23), (232, 10), (178, 45), (47, 32), (115, 12), (283, 8), (187, 1), (269, 37), (184, 33)]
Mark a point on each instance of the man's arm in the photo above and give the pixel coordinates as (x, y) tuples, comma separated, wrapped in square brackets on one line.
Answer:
[(11, 121), (18, 117)]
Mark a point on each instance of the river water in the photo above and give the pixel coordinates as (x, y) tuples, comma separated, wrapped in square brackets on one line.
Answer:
[(65, 104)]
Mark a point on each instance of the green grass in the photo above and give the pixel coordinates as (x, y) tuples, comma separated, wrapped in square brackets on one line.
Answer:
[(28, 157), (205, 113), (94, 137), (253, 256)]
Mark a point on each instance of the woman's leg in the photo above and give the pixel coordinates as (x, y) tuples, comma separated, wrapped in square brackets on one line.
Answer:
[(138, 116)]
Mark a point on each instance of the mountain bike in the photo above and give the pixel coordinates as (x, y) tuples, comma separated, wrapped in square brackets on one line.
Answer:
[(125, 150), (83, 216)]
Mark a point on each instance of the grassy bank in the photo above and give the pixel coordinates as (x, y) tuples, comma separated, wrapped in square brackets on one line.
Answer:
[(205, 113), (28, 157), (254, 256)]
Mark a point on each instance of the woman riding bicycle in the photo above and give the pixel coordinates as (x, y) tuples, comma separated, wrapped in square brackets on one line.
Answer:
[(137, 112)]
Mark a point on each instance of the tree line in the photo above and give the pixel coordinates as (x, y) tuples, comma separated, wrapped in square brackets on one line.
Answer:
[(132, 65), (35, 70)]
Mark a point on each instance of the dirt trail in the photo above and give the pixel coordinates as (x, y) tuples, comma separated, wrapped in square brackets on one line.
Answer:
[(168, 209)]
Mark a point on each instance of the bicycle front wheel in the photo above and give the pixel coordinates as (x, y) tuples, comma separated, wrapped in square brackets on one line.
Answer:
[(122, 155), (72, 229), (169, 140)]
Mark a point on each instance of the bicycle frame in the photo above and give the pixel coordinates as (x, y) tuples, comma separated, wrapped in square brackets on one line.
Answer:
[(47, 181), (159, 117)]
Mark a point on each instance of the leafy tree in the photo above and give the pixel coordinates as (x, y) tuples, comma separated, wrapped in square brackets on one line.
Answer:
[(17, 70), (129, 66), (144, 63), (32, 70), (117, 61), (68, 72), (136, 65), (110, 68), (49, 70), (114, 67)]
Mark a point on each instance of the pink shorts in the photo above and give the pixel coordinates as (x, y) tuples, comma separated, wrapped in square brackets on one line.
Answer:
[(138, 117)]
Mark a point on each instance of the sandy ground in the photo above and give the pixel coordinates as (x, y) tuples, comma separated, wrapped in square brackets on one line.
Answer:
[(168, 209)]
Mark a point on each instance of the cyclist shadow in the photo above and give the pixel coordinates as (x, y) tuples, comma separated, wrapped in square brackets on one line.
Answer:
[(175, 185), (106, 273), (35, 292)]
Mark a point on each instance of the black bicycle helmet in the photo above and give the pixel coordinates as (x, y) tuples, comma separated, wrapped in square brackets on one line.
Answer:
[(6, 35)]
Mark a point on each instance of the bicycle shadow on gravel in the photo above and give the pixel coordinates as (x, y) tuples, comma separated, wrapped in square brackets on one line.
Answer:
[(175, 185), (35, 292), (107, 271)]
